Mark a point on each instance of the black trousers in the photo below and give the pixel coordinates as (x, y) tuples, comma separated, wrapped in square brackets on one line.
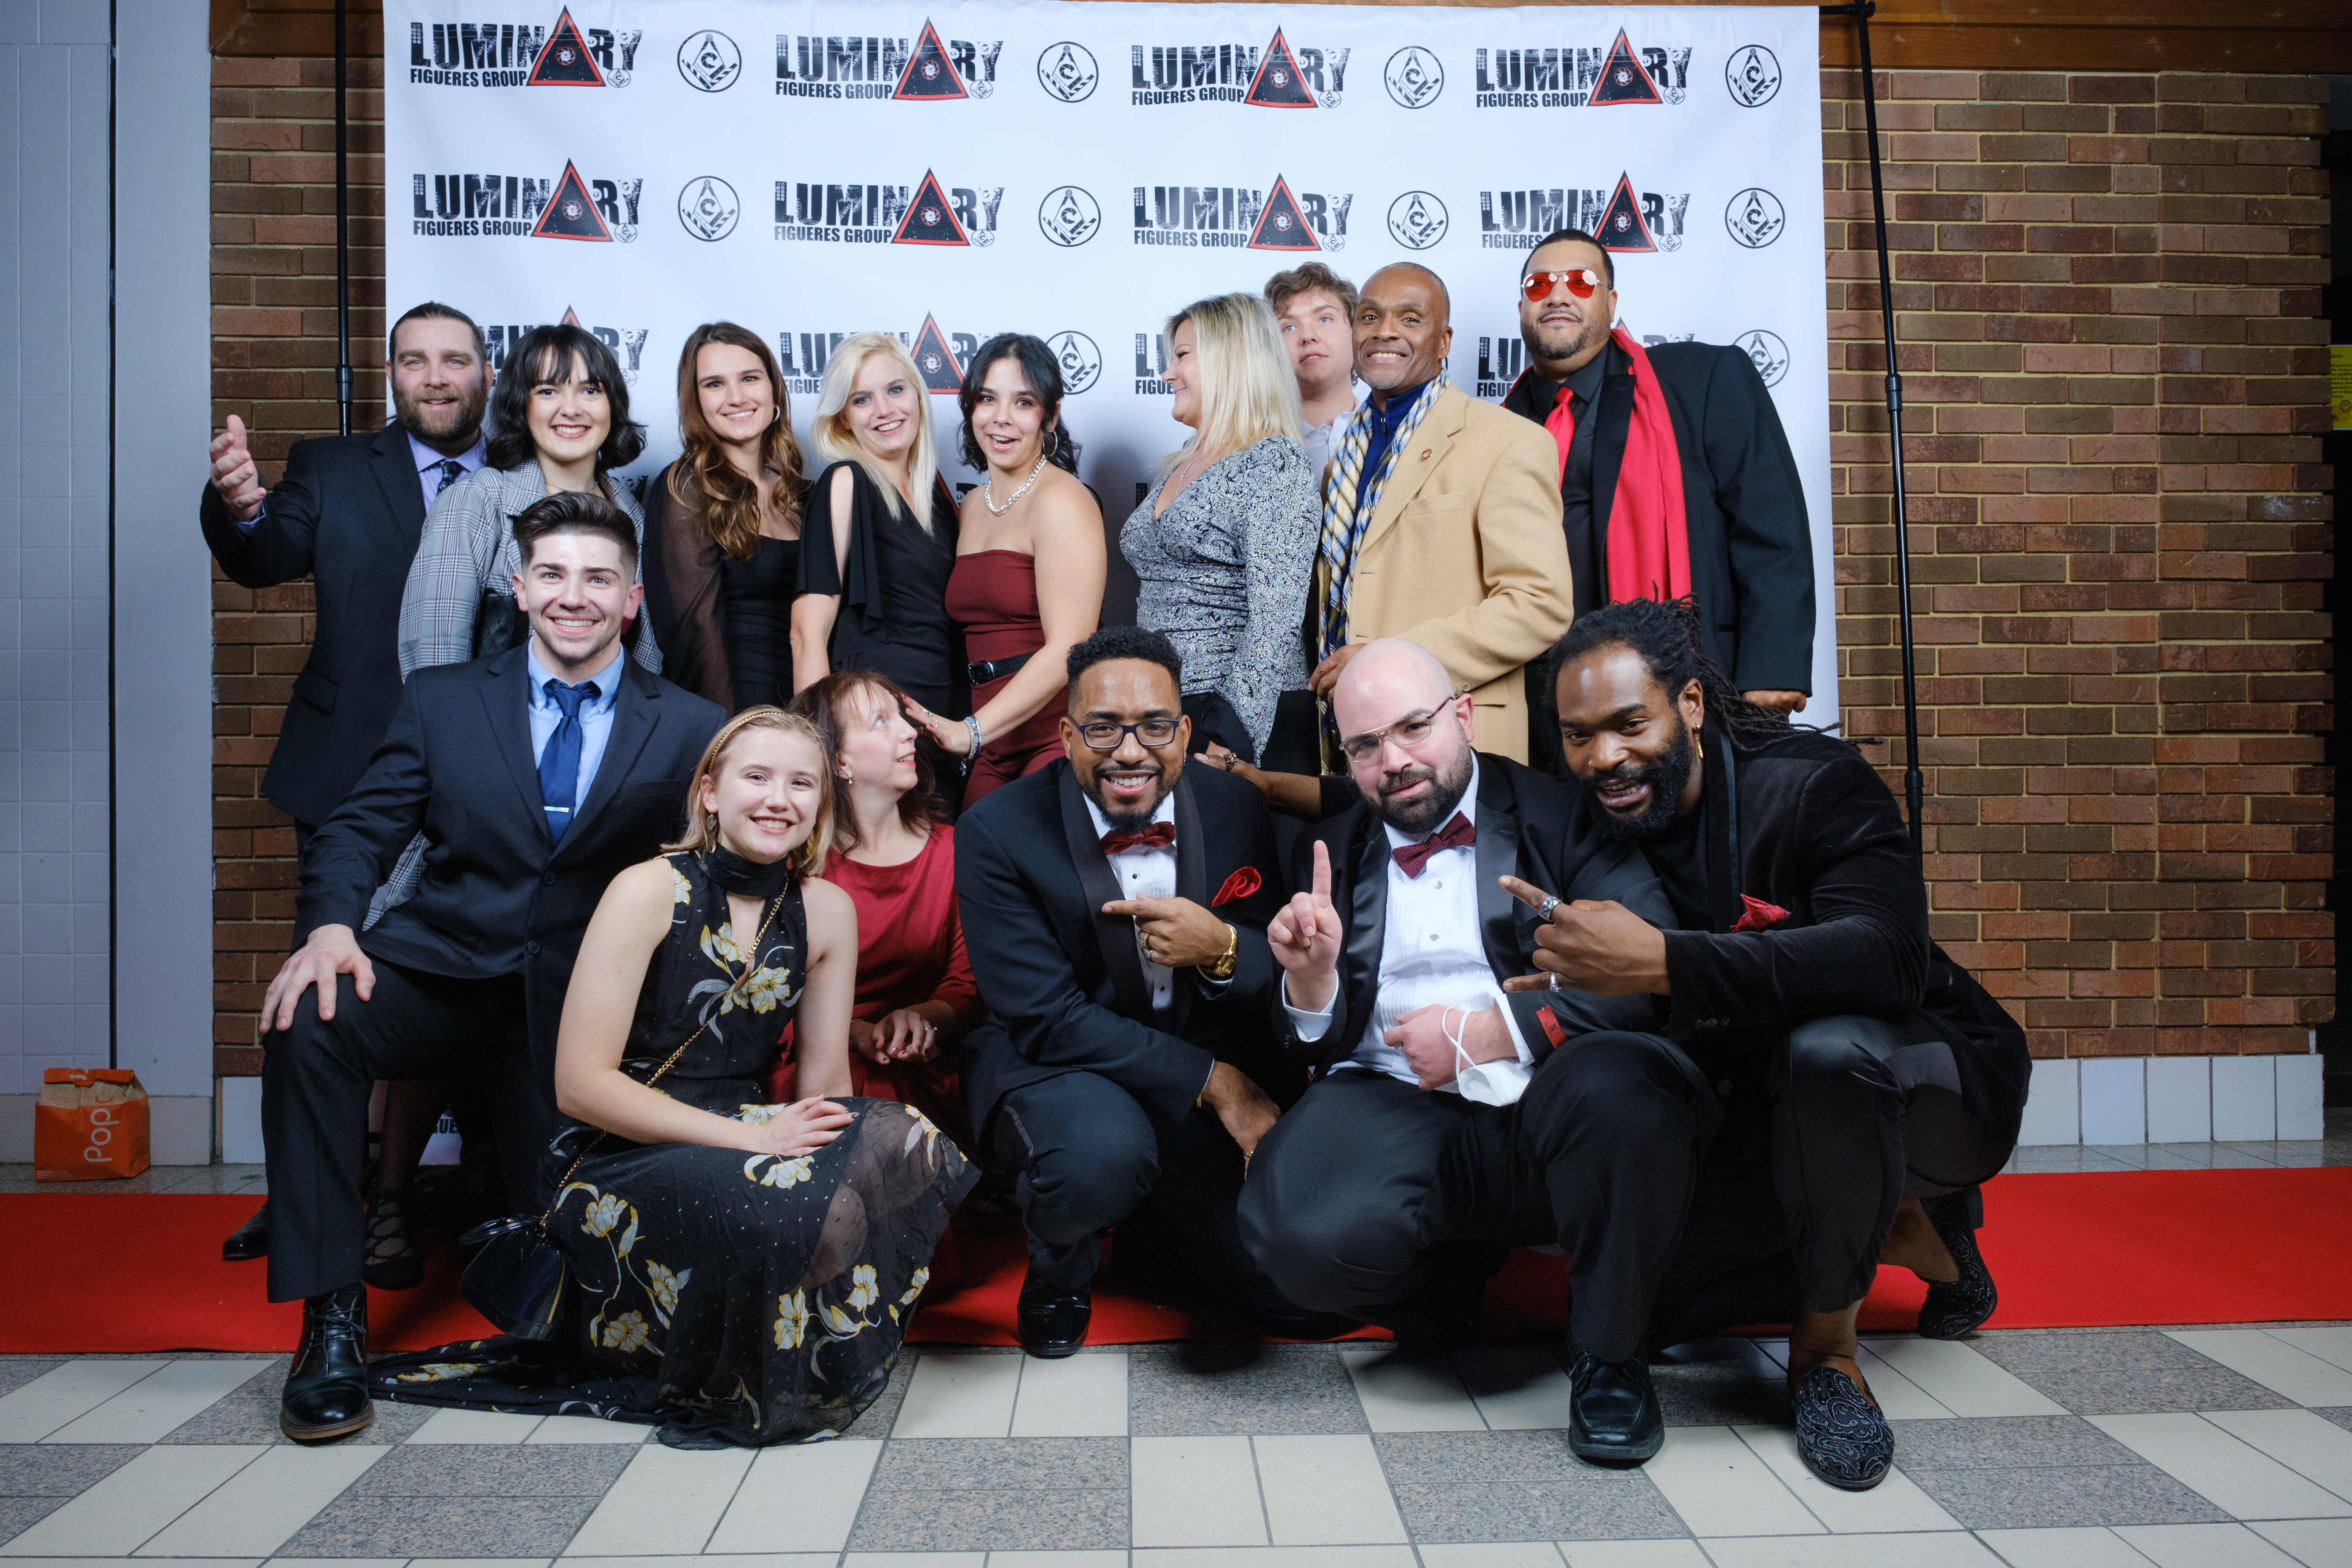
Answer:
[(316, 1078), (1369, 1188), (1089, 1157), (1851, 1115)]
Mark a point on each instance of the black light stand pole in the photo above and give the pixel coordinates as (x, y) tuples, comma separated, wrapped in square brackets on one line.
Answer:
[(1913, 782), (342, 230)]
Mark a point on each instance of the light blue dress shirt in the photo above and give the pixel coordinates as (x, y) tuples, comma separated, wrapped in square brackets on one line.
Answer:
[(595, 717)]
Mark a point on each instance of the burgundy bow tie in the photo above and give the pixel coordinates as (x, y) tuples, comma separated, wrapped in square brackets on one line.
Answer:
[(1158, 835), (1458, 833)]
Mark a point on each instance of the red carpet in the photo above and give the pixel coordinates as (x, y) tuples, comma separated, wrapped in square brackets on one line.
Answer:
[(142, 1273)]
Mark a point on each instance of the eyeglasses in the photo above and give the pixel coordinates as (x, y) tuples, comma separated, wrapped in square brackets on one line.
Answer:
[(1409, 732), (1581, 283), (1104, 737)]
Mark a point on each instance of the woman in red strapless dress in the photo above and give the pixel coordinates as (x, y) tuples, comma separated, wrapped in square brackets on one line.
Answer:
[(1028, 579)]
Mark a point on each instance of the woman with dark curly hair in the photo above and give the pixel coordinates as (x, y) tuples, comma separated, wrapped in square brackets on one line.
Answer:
[(559, 421), (1028, 581), (723, 526)]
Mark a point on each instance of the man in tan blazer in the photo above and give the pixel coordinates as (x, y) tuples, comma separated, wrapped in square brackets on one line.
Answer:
[(1441, 522)]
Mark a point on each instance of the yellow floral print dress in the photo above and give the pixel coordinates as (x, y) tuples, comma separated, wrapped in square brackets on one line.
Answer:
[(733, 1298)]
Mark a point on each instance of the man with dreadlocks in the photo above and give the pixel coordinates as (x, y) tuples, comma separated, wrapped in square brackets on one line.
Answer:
[(1863, 1085)]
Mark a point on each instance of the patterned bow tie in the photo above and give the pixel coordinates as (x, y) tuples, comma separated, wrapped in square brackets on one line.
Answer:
[(1158, 835), (1458, 833)]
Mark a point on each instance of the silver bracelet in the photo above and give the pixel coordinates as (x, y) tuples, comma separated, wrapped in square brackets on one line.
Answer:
[(972, 724)]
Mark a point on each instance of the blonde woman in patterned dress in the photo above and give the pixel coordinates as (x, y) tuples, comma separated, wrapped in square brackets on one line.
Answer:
[(744, 1271), (1223, 547)]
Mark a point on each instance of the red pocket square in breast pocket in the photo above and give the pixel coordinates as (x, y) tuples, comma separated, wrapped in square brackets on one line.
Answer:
[(1240, 885), (1759, 915)]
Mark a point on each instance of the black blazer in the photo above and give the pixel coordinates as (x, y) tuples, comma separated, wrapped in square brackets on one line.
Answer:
[(1529, 826), (496, 897), (348, 513), (1812, 831), (1065, 986), (1751, 551)]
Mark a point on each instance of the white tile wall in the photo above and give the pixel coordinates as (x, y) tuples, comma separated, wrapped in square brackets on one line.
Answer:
[(2173, 1099), (55, 200)]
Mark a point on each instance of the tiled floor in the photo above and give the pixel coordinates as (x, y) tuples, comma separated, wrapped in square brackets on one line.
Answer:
[(2185, 1448)]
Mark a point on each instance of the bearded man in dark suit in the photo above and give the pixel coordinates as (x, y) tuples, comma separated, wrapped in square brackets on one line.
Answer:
[(1114, 905)]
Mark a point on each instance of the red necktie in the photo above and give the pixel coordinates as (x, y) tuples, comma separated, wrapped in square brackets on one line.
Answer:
[(1158, 835), (1561, 423), (1456, 834)]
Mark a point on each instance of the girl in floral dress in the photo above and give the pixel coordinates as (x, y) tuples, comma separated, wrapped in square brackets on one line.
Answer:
[(744, 1271)]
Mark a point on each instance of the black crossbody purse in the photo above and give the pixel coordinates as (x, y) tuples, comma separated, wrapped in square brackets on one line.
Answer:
[(519, 1280)]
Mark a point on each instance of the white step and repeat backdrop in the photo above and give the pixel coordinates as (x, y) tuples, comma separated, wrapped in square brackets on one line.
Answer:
[(1080, 171)]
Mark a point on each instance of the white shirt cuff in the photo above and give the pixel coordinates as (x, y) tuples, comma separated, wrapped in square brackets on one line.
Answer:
[(1308, 1026)]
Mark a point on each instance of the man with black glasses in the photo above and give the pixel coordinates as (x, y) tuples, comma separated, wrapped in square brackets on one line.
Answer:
[(1676, 479), (1115, 907)]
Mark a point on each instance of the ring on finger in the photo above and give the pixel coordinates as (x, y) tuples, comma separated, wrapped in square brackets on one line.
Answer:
[(1544, 910)]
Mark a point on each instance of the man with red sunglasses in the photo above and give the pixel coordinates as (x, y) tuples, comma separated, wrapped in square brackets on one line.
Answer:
[(1674, 478)]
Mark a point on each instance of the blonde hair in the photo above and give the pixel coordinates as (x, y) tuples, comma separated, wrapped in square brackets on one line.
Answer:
[(702, 831), (1248, 390), (830, 434)]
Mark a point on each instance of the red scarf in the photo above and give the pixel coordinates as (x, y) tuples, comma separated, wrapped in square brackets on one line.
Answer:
[(1649, 533)]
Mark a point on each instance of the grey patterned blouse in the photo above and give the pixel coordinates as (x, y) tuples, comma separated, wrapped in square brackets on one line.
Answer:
[(1225, 573)]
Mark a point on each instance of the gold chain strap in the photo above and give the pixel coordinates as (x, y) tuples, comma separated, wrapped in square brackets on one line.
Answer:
[(751, 967)]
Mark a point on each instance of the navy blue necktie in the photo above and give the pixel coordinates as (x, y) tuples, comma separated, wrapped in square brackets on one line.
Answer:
[(559, 764), (450, 469)]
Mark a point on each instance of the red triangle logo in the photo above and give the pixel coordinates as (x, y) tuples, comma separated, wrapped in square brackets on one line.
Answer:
[(1282, 227), (934, 360), (1622, 227), (1277, 84), (571, 316), (1622, 79), (930, 219), (564, 59), (930, 77), (570, 213)]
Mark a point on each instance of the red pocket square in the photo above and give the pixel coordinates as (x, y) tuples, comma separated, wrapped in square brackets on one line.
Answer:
[(1240, 885), (1759, 915)]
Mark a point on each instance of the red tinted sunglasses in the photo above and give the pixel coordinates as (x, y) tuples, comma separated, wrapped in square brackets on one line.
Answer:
[(1581, 283)]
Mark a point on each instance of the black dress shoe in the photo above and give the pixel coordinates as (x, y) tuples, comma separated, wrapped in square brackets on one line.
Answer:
[(327, 1390), (1957, 1309), (249, 1240), (1054, 1326), (1613, 1416), (1840, 1435)]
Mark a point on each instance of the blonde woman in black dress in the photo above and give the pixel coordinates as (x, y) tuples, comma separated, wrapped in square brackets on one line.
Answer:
[(746, 1271)]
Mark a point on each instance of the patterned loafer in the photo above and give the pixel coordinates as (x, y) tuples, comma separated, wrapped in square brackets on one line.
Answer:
[(1840, 1435), (1954, 1310)]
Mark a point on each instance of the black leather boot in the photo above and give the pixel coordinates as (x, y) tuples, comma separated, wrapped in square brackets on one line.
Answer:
[(1613, 1416), (327, 1390), (249, 1240)]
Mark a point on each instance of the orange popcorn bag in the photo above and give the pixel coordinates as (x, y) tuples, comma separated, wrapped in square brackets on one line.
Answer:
[(90, 1124)]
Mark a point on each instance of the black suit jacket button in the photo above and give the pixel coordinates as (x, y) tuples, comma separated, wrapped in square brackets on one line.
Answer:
[(531, 948), (548, 878)]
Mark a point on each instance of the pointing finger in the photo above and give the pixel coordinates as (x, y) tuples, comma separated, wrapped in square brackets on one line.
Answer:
[(1322, 882), (1526, 893)]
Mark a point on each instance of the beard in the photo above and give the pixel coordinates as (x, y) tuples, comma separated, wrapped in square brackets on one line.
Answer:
[(1127, 820), (1665, 778), (1430, 811), (449, 419), (1549, 344)]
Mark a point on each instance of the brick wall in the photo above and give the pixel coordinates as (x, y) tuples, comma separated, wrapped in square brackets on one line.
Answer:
[(2107, 290), (274, 365), (2107, 295)]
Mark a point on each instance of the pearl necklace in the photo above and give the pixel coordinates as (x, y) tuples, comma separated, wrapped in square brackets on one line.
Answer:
[(988, 489)]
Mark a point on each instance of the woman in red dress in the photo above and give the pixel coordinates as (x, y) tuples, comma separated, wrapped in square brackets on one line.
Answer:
[(1030, 560), (893, 854)]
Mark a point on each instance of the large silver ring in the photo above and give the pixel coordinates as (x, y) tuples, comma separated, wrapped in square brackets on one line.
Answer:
[(1544, 910), (1556, 986)]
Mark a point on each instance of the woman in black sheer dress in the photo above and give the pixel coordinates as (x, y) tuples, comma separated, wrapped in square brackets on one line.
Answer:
[(723, 526), (745, 1270)]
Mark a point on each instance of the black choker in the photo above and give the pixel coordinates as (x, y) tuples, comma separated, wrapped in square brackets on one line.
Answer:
[(746, 879)]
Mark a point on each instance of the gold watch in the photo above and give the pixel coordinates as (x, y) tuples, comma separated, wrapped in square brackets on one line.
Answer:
[(1223, 968)]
